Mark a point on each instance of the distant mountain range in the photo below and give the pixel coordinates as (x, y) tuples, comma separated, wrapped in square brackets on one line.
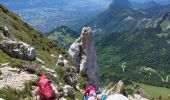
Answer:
[(123, 15), (46, 15), (145, 5)]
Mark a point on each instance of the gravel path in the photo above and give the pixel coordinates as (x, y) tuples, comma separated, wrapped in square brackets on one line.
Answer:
[(14, 77)]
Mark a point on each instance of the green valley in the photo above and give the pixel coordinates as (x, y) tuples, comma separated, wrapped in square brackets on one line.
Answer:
[(63, 36)]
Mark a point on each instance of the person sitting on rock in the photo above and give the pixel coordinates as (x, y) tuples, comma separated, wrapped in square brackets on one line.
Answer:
[(90, 93), (46, 90)]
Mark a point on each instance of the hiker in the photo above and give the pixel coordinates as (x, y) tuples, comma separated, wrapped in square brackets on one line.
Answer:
[(46, 90), (90, 93)]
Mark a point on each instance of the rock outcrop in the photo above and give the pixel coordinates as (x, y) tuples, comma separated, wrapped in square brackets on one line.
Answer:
[(61, 61), (6, 31), (83, 53), (69, 91), (19, 50), (116, 89)]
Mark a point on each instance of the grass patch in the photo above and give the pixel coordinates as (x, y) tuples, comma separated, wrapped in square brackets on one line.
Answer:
[(9, 93), (155, 92), (62, 73), (79, 95)]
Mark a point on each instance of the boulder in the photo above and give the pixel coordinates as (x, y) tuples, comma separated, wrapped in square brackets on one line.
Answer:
[(83, 53), (69, 79), (19, 50), (61, 61), (31, 69), (116, 89), (6, 31), (69, 91)]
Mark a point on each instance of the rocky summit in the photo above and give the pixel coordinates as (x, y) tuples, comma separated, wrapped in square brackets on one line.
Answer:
[(83, 53)]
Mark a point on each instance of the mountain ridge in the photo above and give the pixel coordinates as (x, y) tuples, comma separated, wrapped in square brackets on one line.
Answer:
[(119, 19)]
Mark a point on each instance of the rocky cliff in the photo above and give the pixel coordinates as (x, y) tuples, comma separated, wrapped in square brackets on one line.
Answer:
[(83, 53)]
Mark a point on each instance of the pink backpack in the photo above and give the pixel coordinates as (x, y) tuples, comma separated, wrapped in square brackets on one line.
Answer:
[(45, 90)]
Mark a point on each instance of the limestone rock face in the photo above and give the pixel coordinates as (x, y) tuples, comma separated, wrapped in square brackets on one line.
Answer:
[(83, 53), (18, 49)]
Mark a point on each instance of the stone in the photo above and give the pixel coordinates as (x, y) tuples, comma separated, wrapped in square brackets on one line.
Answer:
[(19, 50), (69, 80), (61, 61), (83, 53), (6, 31), (69, 91), (31, 69), (116, 89)]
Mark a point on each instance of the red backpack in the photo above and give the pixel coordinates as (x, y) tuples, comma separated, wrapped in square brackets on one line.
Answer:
[(45, 90)]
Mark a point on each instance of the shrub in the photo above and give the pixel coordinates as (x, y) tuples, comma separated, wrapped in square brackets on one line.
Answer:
[(82, 82), (127, 91)]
